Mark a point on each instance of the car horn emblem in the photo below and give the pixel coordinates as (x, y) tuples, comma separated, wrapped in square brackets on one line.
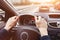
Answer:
[(24, 36)]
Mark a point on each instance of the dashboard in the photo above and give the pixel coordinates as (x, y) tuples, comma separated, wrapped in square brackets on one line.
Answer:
[(53, 20), (50, 17)]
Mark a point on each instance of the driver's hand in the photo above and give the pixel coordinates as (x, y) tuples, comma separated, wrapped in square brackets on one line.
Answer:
[(41, 24), (11, 22)]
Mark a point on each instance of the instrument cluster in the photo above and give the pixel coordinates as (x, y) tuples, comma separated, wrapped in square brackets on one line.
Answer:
[(27, 20)]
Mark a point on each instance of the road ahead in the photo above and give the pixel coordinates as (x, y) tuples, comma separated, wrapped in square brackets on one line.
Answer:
[(27, 9)]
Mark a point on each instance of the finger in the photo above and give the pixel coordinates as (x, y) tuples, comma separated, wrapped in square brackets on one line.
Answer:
[(43, 20), (11, 18), (17, 18), (14, 17), (39, 18), (36, 19)]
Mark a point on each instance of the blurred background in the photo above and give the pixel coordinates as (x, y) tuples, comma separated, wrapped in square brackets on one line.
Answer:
[(29, 2)]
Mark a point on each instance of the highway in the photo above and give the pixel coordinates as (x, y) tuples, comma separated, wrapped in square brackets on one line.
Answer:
[(27, 9)]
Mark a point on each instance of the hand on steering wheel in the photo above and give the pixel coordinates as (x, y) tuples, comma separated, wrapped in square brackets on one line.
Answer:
[(41, 24), (11, 22)]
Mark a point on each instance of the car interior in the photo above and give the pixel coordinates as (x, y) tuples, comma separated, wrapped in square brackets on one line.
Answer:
[(25, 28)]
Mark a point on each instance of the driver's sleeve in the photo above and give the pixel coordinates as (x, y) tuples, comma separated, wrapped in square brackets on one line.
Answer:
[(45, 38), (3, 34)]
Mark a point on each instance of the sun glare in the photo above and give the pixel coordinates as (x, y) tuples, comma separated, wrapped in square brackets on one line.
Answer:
[(40, 0)]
